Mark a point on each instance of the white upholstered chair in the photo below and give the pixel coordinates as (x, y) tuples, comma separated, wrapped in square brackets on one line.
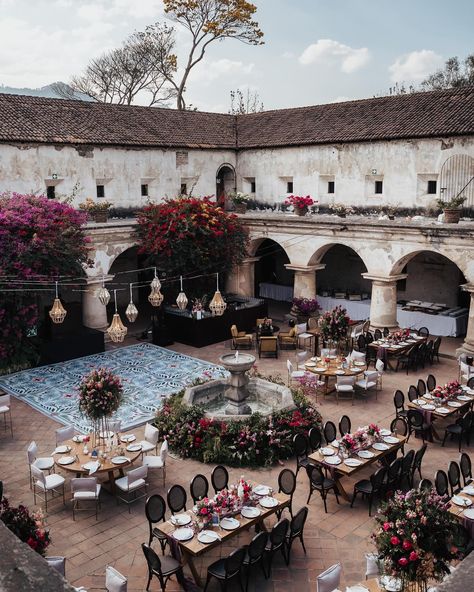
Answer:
[(58, 563), (6, 411), (345, 386), (114, 580), (150, 441), (64, 434), (45, 463), (370, 381), (330, 579), (85, 489), (45, 484), (158, 462), (132, 483)]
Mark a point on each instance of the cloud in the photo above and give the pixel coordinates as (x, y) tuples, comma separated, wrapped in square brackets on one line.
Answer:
[(414, 66), (209, 71), (109, 9), (347, 58)]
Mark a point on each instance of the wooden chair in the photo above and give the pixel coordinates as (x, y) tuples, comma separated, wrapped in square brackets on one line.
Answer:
[(288, 340), (241, 338), (268, 346)]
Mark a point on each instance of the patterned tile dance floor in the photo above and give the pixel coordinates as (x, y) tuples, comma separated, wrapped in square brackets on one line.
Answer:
[(149, 374)]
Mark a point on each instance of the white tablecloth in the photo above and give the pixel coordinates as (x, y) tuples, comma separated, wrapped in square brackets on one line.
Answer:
[(276, 292), (436, 324)]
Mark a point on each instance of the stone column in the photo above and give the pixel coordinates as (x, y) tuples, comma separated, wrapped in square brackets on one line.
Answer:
[(242, 279), (305, 279), (383, 305), (468, 346), (94, 314)]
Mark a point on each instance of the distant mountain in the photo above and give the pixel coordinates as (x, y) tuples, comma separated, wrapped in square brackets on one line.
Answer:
[(50, 91)]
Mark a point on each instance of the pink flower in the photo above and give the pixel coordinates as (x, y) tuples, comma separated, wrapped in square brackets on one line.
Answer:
[(395, 540), (413, 556), (386, 526), (407, 545)]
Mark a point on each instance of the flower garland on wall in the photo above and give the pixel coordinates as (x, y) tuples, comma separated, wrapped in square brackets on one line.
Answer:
[(334, 324)]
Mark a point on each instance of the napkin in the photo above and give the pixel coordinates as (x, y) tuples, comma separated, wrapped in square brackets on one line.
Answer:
[(357, 588), (93, 467)]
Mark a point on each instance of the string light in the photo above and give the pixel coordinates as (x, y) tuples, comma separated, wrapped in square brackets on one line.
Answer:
[(156, 297), (117, 330), (181, 300), (132, 312), (217, 305), (103, 294), (57, 313)]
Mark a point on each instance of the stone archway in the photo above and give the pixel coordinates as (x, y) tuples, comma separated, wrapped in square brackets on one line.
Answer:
[(225, 183), (271, 261)]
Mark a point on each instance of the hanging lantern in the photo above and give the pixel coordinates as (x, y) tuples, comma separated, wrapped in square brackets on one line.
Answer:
[(156, 297), (217, 305), (57, 313), (117, 330), (103, 294), (181, 300), (132, 312)]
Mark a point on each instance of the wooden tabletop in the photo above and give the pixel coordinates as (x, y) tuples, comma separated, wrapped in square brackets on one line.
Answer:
[(81, 458), (451, 410), (194, 547), (458, 511), (342, 468), (333, 368)]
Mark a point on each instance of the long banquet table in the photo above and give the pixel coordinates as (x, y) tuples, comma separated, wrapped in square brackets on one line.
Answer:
[(437, 324)]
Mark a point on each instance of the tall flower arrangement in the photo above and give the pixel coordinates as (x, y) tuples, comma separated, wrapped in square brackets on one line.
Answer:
[(334, 323), (29, 528)]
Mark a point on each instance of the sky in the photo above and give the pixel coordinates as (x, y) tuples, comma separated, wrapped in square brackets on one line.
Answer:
[(316, 51)]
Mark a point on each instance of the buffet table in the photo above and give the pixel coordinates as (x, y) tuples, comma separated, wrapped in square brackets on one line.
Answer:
[(436, 324), (276, 292)]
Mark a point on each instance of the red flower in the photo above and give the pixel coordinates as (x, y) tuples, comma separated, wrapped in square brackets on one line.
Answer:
[(413, 556), (403, 561), (407, 545), (386, 526), (395, 540), (204, 511), (32, 543)]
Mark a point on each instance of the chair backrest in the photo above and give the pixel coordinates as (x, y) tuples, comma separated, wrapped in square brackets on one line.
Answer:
[(412, 393), (371, 376), (425, 484), (234, 332), (5, 400), (278, 533), (84, 484), (302, 356), (176, 498), (407, 462), (399, 426), (369, 337), (164, 451), (219, 478), (115, 425), (287, 482), (441, 483), (63, 434), (436, 345), (136, 474), (386, 331), (421, 386), (57, 563), (114, 580), (301, 328), (379, 366), (289, 366), (330, 579), (465, 466), (151, 434), (345, 380), (430, 382), (315, 474), (315, 438), (424, 331), (233, 563), (415, 418), (454, 475), (300, 445), (376, 479), (38, 474), (344, 425), (378, 334), (268, 344), (298, 521), (330, 432), (31, 452), (325, 351), (399, 400), (470, 383), (419, 454), (155, 508), (358, 356), (199, 487), (394, 469), (312, 323), (466, 421), (152, 559), (372, 568), (361, 342), (256, 548)]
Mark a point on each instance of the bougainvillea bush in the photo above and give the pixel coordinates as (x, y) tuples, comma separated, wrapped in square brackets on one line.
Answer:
[(256, 441), (29, 528), (40, 239), (190, 234)]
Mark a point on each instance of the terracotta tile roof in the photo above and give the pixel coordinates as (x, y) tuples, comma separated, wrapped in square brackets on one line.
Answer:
[(419, 115)]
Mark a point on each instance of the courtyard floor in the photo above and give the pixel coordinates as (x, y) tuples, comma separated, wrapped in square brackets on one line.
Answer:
[(343, 534)]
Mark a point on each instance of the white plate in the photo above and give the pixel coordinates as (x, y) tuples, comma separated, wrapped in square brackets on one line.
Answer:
[(183, 534), (469, 490), (208, 536), (359, 364), (420, 402), (469, 391), (428, 396), (335, 443), (66, 460), (62, 449), (464, 398), (429, 407), (454, 404), (230, 523), (261, 490), (380, 446), (339, 372), (250, 512), (385, 432), (326, 451), (469, 513), (134, 447), (320, 369), (403, 343), (310, 364), (352, 462), (390, 440), (180, 519), (268, 502), (461, 501), (128, 438), (365, 454), (332, 460), (443, 410), (391, 584), (119, 460), (105, 435)]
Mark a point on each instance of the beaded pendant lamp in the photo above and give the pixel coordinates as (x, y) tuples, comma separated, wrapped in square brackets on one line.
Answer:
[(132, 312), (117, 329), (103, 294), (181, 300), (155, 297), (217, 305), (57, 312)]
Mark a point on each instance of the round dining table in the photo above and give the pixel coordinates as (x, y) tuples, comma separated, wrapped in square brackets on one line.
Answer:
[(76, 450), (333, 368)]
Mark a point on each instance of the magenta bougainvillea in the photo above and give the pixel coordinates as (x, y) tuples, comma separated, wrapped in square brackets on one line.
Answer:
[(40, 239)]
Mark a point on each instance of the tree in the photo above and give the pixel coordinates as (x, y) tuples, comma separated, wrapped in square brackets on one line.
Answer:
[(144, 63), (209, 21), (453, 75), (241, 104)]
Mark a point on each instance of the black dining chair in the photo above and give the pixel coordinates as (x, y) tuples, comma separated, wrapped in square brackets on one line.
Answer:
[(399, 426), (163, 568), (300, 450), (392, 479), (421, 387), (429, 352), (318, 482), (421, 355), (436, 346), (219, 478), (470, 383), (461, 428), (418, 425), (176, 498), (286, 485), (296, 531), (344, 425), (399, 403), (417, 462), (441, 483), (155, 510), (199, 487), (386, 331), (454, 477), (330, 432), (276, 542), (424, 332), (370, 487), (430, 382), (413, 393), (425, 484), (315, 438), (408, 360), (255, 555), (227, 569), (377, 334), (369, 337), (466, 469), (406, 470)]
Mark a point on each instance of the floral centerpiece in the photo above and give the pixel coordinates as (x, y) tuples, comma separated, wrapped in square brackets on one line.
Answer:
[(449, 391), (348, 443), (304, 308), (29, 528), (399, 335), (415, 538), (334, 324), (96, 209), (361, 438), (300, 203), (100, 395)]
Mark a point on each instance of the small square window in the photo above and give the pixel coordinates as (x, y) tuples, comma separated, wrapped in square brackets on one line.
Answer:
[(145, 190), (184, 189), (378, 186), (331, 186), (50, 191), (432, 187), (289, 187), (100, 190), (252, 186)]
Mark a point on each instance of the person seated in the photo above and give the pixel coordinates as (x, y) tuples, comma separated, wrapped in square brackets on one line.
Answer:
[(266, 328)]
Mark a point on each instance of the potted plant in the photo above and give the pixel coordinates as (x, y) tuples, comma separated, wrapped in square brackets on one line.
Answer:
[(303, 308), (341, 210), (240, 200), (98, 211), (451, 209), (300, 203), (29, 528), (391, 212)]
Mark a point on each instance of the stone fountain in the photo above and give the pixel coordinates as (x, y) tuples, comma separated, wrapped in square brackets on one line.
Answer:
[(239, 395)]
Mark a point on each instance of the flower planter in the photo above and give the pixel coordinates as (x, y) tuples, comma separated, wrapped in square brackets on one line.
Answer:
[(452, 215), (240, 208), (100, 216), (391, 217), (301, 211), (342, 215)]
